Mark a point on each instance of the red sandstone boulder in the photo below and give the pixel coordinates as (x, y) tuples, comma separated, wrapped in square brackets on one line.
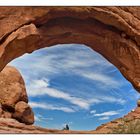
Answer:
[(13, 96), (23, 113), (12, 87)]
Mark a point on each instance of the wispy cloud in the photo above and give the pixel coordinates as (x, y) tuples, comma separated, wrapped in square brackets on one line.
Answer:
[(81, 62), (101, 78), (105, 115), (41, 87), (112, 99), (41, 118), (104, 118), (92, 111), (108, 113), (50, 107)]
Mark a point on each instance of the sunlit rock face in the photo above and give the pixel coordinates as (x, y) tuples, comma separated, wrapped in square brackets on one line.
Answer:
[(13, 96), (130, 120), (111, 31)]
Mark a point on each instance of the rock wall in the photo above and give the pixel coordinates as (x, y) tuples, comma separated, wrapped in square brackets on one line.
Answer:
[(13, 97), (114, 32)]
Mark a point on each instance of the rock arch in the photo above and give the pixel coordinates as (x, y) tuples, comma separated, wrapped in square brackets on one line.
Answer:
[(114, 32)]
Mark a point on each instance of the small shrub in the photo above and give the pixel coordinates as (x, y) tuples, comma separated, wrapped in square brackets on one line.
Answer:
[(132, 127)]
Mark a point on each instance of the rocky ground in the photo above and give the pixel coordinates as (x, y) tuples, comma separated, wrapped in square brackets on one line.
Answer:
[(12, 126), (8, 125)]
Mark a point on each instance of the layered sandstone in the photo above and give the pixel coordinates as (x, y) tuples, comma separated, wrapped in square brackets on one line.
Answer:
[(13, 96), (114, 32)]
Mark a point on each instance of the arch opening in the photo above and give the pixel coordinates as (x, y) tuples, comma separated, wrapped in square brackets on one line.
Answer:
[(72, 84), (111, 31)]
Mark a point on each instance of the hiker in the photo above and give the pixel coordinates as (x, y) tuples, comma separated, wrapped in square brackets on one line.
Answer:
[(66, 128)]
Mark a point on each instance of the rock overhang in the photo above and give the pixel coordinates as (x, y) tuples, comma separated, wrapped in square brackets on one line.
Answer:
[(114, 32)]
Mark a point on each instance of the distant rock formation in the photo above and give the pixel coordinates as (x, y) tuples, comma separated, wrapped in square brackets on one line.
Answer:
[(13, 96), (130, 118)]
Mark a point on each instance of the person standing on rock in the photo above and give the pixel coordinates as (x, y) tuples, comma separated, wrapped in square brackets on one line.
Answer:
[(66, 127)]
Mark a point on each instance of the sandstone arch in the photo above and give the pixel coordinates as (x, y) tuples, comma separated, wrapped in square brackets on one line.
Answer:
[(114, 32)]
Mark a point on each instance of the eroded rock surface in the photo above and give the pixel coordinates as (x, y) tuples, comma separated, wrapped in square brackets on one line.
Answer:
[(114, 32), (13, 96), (113, 127), (23, 113), (12, 87)]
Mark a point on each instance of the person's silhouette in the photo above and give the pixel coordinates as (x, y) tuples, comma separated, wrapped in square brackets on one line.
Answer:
[(66, 127)]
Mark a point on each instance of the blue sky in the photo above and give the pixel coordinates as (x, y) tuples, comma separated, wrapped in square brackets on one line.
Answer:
[(73, 84)]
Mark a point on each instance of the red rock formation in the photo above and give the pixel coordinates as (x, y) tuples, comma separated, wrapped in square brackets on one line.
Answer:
[(23, 113), (109, 127), (12, 87), (114, 32), (13, 96)]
